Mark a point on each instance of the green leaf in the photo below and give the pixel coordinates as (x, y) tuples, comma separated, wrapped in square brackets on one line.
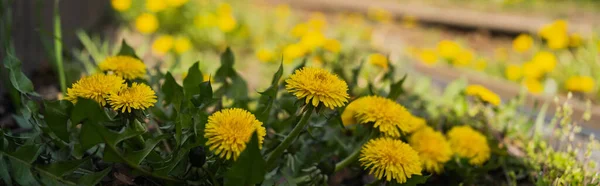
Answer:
[(239, 91), (267, 97), (250, 167), (205, 97), (396, 88), (192, 81), (412, 181), (21, 161), (227, 58), (4, 173), (27, 153), (138, 156), (57, 117), (93, 178), (126, 50), (17, 78), (173, 91), (87, 109), (226, 70), (63, 168), (88, 136)]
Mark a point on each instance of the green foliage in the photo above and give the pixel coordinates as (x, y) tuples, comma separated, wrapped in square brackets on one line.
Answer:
[(250, 167)]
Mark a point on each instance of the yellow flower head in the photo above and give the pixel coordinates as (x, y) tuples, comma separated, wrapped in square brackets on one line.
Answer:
[(226, 23), (379, 14), (176, 3), (417, 122), (533, 86), (483, 94), (146, 23), (332, 45), (532, 70), (388, 159), (428, 56), (299, 30), (182, 45), (545, 60), (124, 66), (316, 86), (156, 5), (556, 34), (448, 49), (575, 40), (386, 115), (580, 84), (469, 143), (513, 72), (229, 130), (317, 21), (379, 60), (433, 148), (97, 87), (522, 43), (162, 44), (293, 51), (264, 55), (138, 96), (312, 39), (463, 58), (121, 5)]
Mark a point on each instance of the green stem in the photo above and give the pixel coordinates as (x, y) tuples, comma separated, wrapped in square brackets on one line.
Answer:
[(58, 48), (354, 156), (290, 138)]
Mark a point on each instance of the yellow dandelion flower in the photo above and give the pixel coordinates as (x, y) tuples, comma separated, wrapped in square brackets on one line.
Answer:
[(332, 45), (522, 43), (162, 44), (264, 55), (513, 72), (379, 14), (312, 40), (433, 148), (428, 56), (156, 5), (463, 58), (417, 122), (124, 66), (120, 5), (388, 159), (299, 30), (139, 96), (97, 87), (448, 49), (469, 143), (229, 130), (555, 34), (483, 94), (386, 115), (146, 23), (379, 60), (226, 23), (534, 86), (205, 20), (317, 86), (176, 3), (532, 70), (575, 40), (182, 45), (317, 21), (545, 60), (580, 84), (293, 51)]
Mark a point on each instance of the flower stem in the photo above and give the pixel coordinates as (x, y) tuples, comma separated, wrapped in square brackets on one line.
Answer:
[(354, 156), (290, 138), (58, 49)]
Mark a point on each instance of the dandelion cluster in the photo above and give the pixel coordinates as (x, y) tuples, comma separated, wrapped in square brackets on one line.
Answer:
[(483, 94), (229, 130), (386, 115), (470, 144), (124, 66), (388, 159), (433, 148), (97, 87), (317, 86)]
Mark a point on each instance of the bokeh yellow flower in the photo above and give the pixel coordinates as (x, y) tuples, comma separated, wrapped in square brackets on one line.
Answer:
[(293, 51), (224, 9), (299, 30), (583, 84), (545, 60), (121, 5), (146, 23), (417, 123), (428, 56), (139, 96), (389, 117), (162, 44), (265, 55), (555, 34), (575, 40), (513, 72), (379, 60), (332, 45), (124, 66), (317, 21), (463, 58), (156, 5), (226, 22), (318, 86), (534, 86), (312, 40), (470, 144), (182, 44), (448, 49), (97, 87), (388, 159), (532, 70), (483, 94), (176, 3), (229, 130), (433, 149), (379, 14), (205, 20), (522, 43)]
